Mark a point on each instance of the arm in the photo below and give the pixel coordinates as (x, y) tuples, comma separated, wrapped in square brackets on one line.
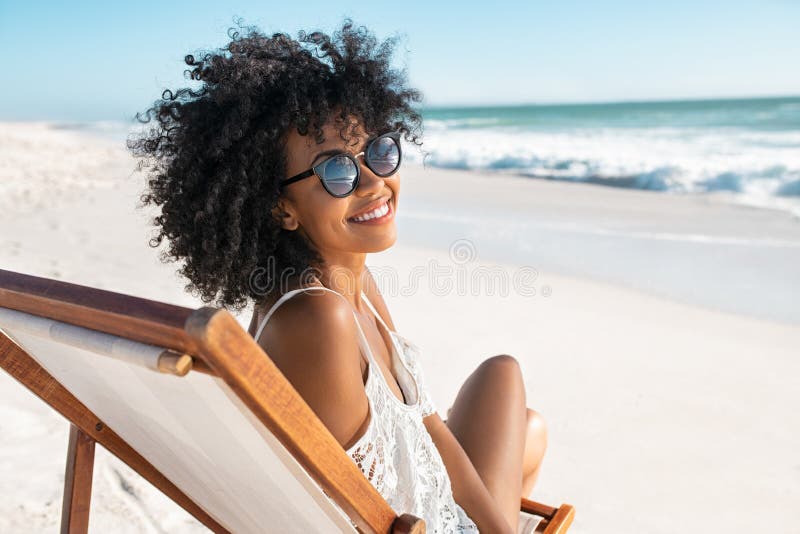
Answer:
[(468, 488)]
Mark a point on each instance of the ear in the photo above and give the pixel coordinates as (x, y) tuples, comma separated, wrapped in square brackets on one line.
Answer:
[(284, 214)]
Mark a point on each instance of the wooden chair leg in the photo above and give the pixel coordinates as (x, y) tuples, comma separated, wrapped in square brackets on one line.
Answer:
[(77, 483)]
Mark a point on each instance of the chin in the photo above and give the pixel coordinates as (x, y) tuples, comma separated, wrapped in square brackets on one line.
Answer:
[(381, 245)]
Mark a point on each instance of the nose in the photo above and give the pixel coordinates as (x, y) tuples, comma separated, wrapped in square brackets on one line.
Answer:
[(369, 183)]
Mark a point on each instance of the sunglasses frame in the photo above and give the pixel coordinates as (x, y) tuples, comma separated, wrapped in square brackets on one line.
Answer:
[(319, 167)]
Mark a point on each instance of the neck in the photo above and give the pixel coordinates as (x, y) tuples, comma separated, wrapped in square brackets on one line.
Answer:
[(346, 276)]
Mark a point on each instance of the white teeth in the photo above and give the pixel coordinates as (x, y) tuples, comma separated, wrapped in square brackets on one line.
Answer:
[(380, 211)]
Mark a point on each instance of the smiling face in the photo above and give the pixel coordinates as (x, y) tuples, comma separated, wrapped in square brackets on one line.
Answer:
[(333, 225)]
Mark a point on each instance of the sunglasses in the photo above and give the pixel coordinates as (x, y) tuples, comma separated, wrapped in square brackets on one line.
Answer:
[(341, 172)]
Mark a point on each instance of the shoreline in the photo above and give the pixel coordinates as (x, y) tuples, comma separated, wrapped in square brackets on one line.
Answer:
[(780, 205)]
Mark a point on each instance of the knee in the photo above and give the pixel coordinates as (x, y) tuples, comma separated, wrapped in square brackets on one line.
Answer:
[(502, 363), (503, 369)]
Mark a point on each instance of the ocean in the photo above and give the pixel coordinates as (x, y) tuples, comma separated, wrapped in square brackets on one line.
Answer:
[(747, 147)]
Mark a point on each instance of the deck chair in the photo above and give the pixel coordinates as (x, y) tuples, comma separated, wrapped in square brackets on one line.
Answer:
[(192, 403)]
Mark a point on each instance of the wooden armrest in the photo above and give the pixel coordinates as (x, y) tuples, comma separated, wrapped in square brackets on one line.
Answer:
[(556, 520)]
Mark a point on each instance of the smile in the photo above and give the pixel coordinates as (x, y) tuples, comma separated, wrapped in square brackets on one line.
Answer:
[(381, 214)]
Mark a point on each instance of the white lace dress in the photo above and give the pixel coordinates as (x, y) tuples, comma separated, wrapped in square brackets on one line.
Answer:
[(396, 453)]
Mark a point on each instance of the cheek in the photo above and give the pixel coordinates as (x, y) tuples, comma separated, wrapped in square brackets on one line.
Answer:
[(394, 183), (324, 216)]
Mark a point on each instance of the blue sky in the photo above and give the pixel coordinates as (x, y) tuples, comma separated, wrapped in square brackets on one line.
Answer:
[(107, 60)]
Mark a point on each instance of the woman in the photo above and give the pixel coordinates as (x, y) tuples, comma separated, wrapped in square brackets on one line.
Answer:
[(275, 179)]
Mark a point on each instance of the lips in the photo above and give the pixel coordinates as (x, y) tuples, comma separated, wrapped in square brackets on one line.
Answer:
[(370, 207)]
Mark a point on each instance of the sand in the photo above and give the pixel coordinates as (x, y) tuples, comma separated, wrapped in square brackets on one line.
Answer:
[(668, 405)]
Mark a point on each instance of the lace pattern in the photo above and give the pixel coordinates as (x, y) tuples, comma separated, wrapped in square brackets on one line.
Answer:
[(410, 355), (398, 456)]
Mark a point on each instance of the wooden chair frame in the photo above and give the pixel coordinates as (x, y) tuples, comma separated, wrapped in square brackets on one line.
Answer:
[(219, 346)]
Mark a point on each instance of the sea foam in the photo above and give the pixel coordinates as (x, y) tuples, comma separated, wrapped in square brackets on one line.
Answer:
[(760, 167)]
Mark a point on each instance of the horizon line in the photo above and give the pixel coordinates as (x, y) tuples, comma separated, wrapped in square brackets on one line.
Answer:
[(436, 107), (554, 103)]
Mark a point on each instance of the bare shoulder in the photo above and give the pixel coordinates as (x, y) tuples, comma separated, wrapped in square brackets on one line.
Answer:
[(314, 304), (312, 337)]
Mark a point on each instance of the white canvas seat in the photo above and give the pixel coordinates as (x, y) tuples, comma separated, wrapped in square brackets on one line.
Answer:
[(192, 428)]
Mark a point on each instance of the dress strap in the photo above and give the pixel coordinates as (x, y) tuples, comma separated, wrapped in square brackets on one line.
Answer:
[(283, 298), (362, 339), (375, 312)]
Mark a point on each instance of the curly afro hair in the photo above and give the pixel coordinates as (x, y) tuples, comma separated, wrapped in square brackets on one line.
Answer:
[(216, 155)]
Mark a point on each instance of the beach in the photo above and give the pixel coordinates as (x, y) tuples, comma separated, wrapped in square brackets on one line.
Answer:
[(658, 333)]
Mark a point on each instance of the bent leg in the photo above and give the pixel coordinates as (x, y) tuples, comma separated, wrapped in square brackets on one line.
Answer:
[(535, 448), (489, 419)]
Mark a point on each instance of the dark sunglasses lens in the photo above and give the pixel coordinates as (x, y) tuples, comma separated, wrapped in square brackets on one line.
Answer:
[(340, 173), (384, 155)]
